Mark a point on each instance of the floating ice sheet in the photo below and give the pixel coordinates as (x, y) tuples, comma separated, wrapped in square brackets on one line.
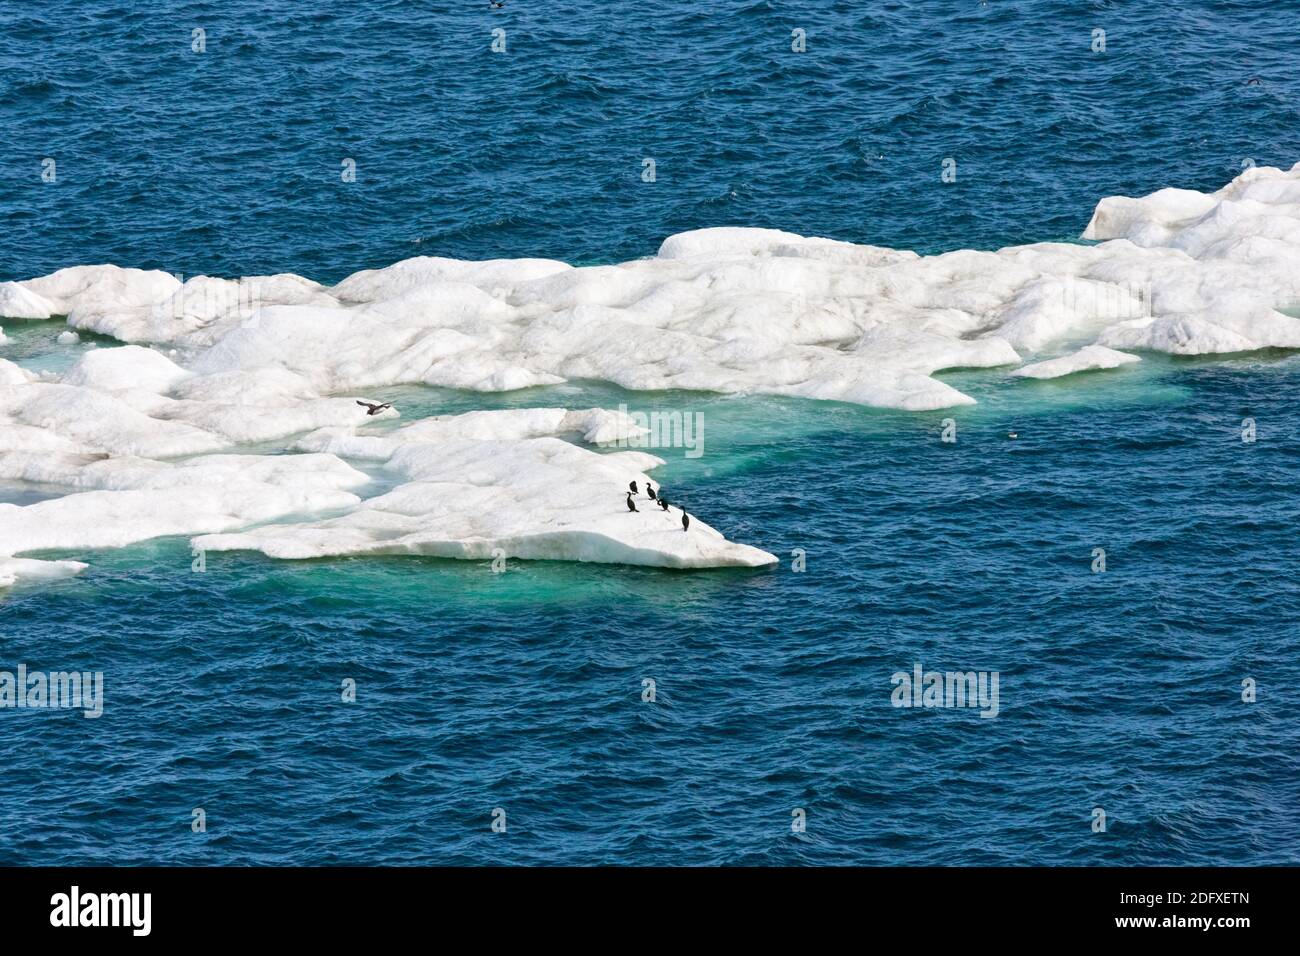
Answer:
[(145, 436)]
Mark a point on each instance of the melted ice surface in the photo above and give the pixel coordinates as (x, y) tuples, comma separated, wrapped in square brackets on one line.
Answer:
[(144, 436)]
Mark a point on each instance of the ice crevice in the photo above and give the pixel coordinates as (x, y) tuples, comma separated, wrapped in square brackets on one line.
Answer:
[(151, 438)]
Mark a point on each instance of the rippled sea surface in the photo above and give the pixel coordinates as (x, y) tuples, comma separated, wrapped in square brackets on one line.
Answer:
[(1119, 690)]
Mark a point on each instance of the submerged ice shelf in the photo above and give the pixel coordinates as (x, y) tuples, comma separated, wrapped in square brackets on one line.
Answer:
[(145, 436)]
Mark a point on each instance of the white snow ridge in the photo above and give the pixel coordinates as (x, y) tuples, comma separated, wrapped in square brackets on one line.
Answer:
[(151, 444)]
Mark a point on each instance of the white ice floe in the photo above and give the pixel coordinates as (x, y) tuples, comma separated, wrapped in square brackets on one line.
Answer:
[(1086, 359), (141, 445), (139, 499), (84, 290), (596, 426), (12, 374), (128, 367), (29, 569), (279, 362), (738, 310), (528, 498)]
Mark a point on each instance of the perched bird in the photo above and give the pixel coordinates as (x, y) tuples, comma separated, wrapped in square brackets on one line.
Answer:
[(649, 490), (631, 505), (663, 503), (372, 409), (686, 521), (632, 485)]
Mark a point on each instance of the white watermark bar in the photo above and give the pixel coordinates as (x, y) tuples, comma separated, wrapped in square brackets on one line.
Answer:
[(77, 909), (53, 690), (957, 689), (674, 429)]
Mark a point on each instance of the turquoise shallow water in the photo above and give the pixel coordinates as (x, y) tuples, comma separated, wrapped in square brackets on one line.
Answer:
[(1119, 690)]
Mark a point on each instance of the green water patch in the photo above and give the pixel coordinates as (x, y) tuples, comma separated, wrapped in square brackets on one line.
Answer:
[(732, 435), (398, 581), (35, 346), (1262, 360), (698, 434), (1003, 399)]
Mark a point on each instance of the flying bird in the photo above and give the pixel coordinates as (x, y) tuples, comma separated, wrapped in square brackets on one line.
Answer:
[(372, 409)]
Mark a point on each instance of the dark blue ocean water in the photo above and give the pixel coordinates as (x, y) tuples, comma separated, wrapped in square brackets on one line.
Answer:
[(229, 162), (1119, 690)]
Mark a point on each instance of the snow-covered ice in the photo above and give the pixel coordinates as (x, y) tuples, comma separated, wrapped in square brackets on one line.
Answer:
[(529, 498), (737, 309), (148, 437), (29, 569), (147, 448)]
